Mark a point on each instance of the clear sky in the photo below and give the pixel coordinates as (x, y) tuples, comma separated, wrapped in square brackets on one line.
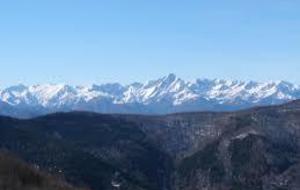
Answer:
[(95, 41)]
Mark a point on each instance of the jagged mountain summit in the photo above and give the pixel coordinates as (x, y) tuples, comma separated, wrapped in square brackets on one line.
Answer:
[(164, 95)]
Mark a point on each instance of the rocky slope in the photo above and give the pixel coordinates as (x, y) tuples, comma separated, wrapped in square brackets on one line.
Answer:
[(165, 95), (254, 149)]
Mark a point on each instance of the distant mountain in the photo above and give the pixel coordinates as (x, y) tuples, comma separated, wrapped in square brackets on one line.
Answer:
[(165, 95), (254, 149)]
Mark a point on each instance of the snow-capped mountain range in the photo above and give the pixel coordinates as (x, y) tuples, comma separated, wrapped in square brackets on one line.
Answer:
[(165, 95)]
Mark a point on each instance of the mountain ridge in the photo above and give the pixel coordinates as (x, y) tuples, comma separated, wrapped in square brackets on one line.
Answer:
[(168, 94)]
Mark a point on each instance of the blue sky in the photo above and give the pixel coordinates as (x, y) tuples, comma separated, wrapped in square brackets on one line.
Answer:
[(95, 41)]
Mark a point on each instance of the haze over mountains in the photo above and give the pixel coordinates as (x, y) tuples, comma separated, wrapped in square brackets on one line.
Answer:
[(165, 95)]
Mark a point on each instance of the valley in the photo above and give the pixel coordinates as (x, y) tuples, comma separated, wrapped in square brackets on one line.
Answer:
[(251, 149)]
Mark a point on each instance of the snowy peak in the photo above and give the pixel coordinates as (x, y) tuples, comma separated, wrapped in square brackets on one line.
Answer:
[(163, 95), (164, 88)]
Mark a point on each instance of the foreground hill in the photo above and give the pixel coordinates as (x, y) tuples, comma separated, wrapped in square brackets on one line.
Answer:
[(168, 94), (255, 149), (16, 175), (88, 149)]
